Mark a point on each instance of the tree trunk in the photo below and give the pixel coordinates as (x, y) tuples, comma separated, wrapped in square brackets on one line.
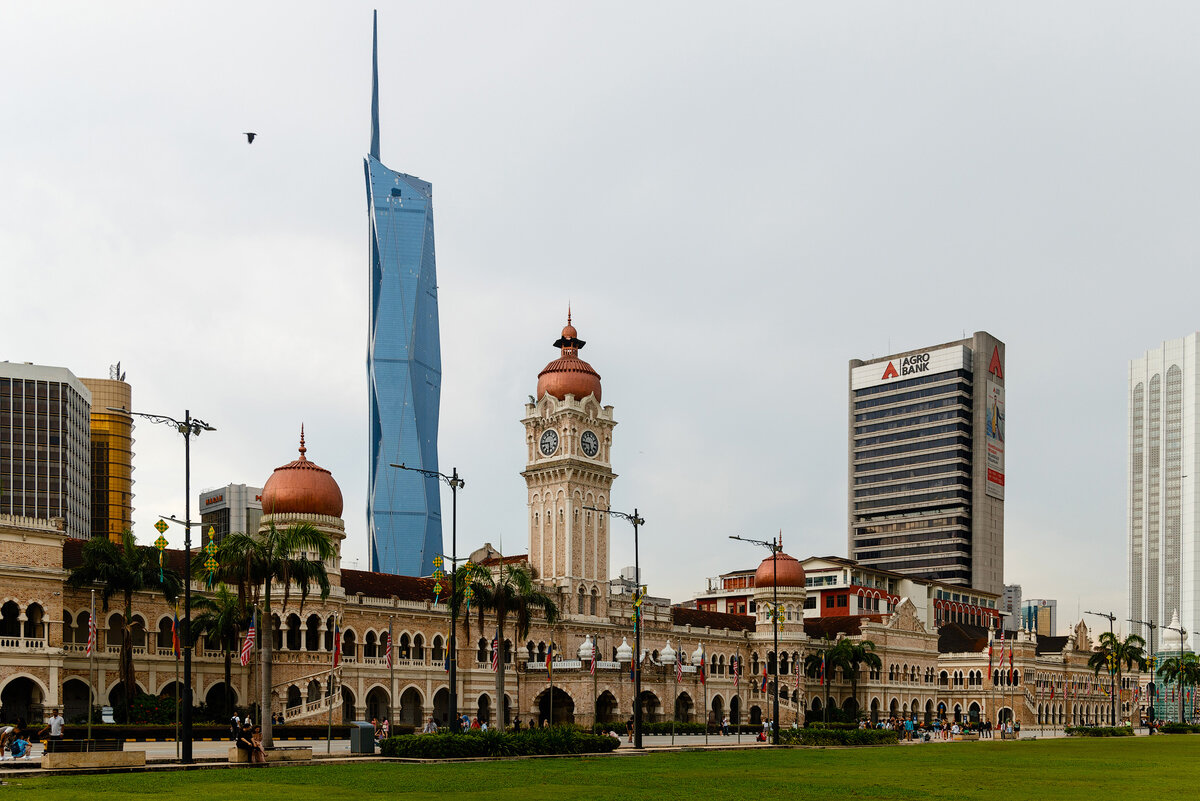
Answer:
[(500, 722), (228, 678), (125, 671), (268, 629)]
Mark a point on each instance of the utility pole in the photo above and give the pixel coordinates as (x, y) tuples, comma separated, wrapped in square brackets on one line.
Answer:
[(1152, 626)]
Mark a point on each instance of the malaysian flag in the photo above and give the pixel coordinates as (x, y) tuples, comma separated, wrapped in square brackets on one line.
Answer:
[(248, 643), (496, 653), (390, 653), (737, 670), (679, 666), (593, 668), (92, 627)]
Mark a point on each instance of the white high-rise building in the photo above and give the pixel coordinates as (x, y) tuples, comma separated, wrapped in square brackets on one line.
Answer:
[(1164, 565)]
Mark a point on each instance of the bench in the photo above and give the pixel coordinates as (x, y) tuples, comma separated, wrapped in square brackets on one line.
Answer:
[(113, 758), (83, 746), (290, 754), (966, 737)]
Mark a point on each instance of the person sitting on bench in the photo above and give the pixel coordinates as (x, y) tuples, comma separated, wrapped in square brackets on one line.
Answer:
[(245, 742)]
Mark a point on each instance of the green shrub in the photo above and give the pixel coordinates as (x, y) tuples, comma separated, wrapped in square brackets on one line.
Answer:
[(1178, 728), (815, 736), (496, 743), (1099, 731)]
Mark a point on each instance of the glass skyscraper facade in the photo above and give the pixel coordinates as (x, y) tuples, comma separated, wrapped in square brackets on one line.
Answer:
[(404, 365)]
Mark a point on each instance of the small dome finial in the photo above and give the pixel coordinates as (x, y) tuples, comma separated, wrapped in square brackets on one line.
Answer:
[(303, 449), (568, 312)]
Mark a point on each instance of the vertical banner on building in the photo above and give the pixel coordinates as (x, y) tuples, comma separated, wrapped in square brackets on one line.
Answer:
[(994, 437)]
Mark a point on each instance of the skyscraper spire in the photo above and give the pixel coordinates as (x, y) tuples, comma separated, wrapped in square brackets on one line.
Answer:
[(375, 85)]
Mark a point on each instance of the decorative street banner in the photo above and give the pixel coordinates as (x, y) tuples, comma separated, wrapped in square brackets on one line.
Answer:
[(994, 437)]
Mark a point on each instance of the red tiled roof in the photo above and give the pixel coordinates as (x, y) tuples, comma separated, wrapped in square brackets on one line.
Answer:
[(961, 638), (829, 627), (683, 616), (384, 585)]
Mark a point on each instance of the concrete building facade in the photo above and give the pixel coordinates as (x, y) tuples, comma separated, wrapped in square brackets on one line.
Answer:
[(234, 508), (926, 462)]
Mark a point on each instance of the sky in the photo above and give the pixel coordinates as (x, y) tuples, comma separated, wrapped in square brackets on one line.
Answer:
[(735, 200)]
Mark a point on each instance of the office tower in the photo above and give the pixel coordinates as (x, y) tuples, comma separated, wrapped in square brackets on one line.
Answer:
[(926, 462), (1164, 565), (112, 455), (1040, 616), (234, 508), (404, 364), (1010, 607), (45, 446)]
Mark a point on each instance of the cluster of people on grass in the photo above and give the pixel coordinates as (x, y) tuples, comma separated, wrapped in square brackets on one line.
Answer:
[(16, 741), (941, 728)]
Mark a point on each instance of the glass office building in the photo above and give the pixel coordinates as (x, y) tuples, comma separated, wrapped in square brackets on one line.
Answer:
[(112, 457), (404, 366), (45, 446), (926, 454)]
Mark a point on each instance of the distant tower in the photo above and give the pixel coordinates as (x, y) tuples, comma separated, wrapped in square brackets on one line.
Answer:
[(404, 364), (569, 435)]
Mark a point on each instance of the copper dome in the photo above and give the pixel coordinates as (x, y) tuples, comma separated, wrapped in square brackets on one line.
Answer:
[(302, 487), (569, 374), (779, 570)]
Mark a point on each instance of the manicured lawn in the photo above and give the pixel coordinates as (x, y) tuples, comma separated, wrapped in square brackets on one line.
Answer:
[(1059, 770)]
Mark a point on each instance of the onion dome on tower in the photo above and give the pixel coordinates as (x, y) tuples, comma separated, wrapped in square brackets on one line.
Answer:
[(302, 487), (569, 374), (779, 570)]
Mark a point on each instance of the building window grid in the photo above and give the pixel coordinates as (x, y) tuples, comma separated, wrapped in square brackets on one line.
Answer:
[(1137, 423), (1153, 435)]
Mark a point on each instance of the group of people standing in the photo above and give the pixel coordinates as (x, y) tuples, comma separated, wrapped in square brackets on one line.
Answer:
[(16, 742)]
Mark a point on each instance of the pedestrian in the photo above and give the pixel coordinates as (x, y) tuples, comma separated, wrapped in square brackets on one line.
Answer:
[(235, 726), (55, 726), (629, 728), (259, 755), (386, 728), (430, 727), (725, 726)]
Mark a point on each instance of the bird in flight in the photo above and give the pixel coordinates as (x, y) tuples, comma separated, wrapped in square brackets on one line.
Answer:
[(250, 137)]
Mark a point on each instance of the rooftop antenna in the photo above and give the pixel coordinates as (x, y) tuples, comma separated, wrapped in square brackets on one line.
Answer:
[(375, 85)]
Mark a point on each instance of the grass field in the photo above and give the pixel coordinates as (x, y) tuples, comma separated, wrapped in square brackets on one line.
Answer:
[(1057, 770)]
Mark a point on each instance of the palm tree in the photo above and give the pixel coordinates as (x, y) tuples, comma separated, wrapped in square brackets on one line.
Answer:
[(509, 593), (817, 664), (220, 619), (260, 560), (1183, 671), (849, 655), (1114, 652), (124, 569)]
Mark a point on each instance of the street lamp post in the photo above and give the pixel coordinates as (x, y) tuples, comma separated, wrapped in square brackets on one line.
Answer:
[(189, 427), (774, 547), (1182, 631), (636, 520), (1152, 626), (455, 483)]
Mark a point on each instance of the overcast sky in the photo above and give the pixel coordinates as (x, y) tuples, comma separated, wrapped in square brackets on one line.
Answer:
[(735, 198)]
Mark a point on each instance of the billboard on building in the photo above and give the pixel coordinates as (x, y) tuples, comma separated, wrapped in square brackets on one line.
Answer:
[(994, 437)]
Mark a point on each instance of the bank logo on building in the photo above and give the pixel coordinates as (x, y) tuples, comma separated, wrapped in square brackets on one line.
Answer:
[(909, 365)]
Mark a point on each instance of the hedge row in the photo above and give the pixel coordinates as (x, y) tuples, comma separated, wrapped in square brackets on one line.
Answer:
[(143, 731), (813, 736), (1178, 728), (494, 743), (1099, 731)]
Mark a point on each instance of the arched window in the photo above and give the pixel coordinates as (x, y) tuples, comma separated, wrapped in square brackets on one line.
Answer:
[(405, 647), (418, 647), (508, 652), (529, 651), (595, 601), (370, 646), (438, 651), (481, 650), (582, 601)]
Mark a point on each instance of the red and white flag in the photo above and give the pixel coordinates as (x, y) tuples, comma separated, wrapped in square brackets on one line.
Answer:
[(337, 644), (592, 670), (679, 666), (248, 643), (495, 654), (92, 627)]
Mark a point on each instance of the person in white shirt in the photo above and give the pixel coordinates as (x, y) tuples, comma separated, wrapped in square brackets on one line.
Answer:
[(54, 725)]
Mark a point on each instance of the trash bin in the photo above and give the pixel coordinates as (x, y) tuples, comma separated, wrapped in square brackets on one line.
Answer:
[(362, 738)]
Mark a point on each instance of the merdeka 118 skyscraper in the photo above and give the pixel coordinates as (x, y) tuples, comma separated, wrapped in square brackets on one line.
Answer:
[(404, 363)]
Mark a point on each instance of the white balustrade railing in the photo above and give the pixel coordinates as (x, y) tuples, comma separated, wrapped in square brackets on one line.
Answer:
[(309, 709), (22, 643)]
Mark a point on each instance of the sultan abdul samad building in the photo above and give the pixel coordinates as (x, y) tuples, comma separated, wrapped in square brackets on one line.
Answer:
[(934, 650)]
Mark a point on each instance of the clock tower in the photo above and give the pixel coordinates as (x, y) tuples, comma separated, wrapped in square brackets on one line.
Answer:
[(569, 435)]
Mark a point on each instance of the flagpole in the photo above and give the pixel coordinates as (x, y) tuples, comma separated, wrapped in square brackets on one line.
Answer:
[(92, 669), (337, 636), (737, 686), (704, 681), (391, 658)]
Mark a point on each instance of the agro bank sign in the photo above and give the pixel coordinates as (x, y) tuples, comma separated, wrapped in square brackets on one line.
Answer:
[(912, 365)]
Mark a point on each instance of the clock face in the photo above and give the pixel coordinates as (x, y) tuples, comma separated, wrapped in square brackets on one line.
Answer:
[(549, 442), (590, 444)]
